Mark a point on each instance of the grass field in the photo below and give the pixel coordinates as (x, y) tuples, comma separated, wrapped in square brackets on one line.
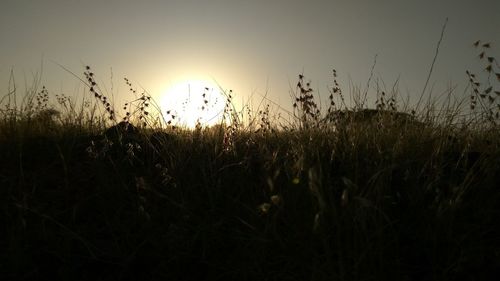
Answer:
[(342, 193)]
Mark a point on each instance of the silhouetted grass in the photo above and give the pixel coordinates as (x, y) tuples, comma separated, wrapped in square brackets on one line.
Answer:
[(344, 194)]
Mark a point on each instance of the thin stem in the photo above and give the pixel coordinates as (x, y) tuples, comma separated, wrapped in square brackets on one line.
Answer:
[(433, 62)]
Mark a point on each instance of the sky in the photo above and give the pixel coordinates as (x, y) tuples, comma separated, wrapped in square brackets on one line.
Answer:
[(251, 47)]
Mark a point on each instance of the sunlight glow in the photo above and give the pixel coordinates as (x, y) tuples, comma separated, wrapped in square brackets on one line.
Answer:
[(192, 101)]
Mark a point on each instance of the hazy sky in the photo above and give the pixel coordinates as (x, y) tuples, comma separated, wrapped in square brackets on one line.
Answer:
[(247, 46)]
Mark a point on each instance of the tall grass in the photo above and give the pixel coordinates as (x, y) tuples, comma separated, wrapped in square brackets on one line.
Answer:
[(337, 193)]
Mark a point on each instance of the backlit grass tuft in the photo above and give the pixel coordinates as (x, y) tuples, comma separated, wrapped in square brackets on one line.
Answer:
[(345, 192)]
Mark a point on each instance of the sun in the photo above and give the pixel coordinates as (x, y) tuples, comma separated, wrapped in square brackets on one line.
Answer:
[(192, 101)]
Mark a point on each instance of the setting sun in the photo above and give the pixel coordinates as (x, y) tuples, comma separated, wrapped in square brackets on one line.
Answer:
[(191, 101)]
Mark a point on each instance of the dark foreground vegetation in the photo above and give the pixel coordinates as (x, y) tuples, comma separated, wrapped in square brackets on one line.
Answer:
[(390, 196)]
